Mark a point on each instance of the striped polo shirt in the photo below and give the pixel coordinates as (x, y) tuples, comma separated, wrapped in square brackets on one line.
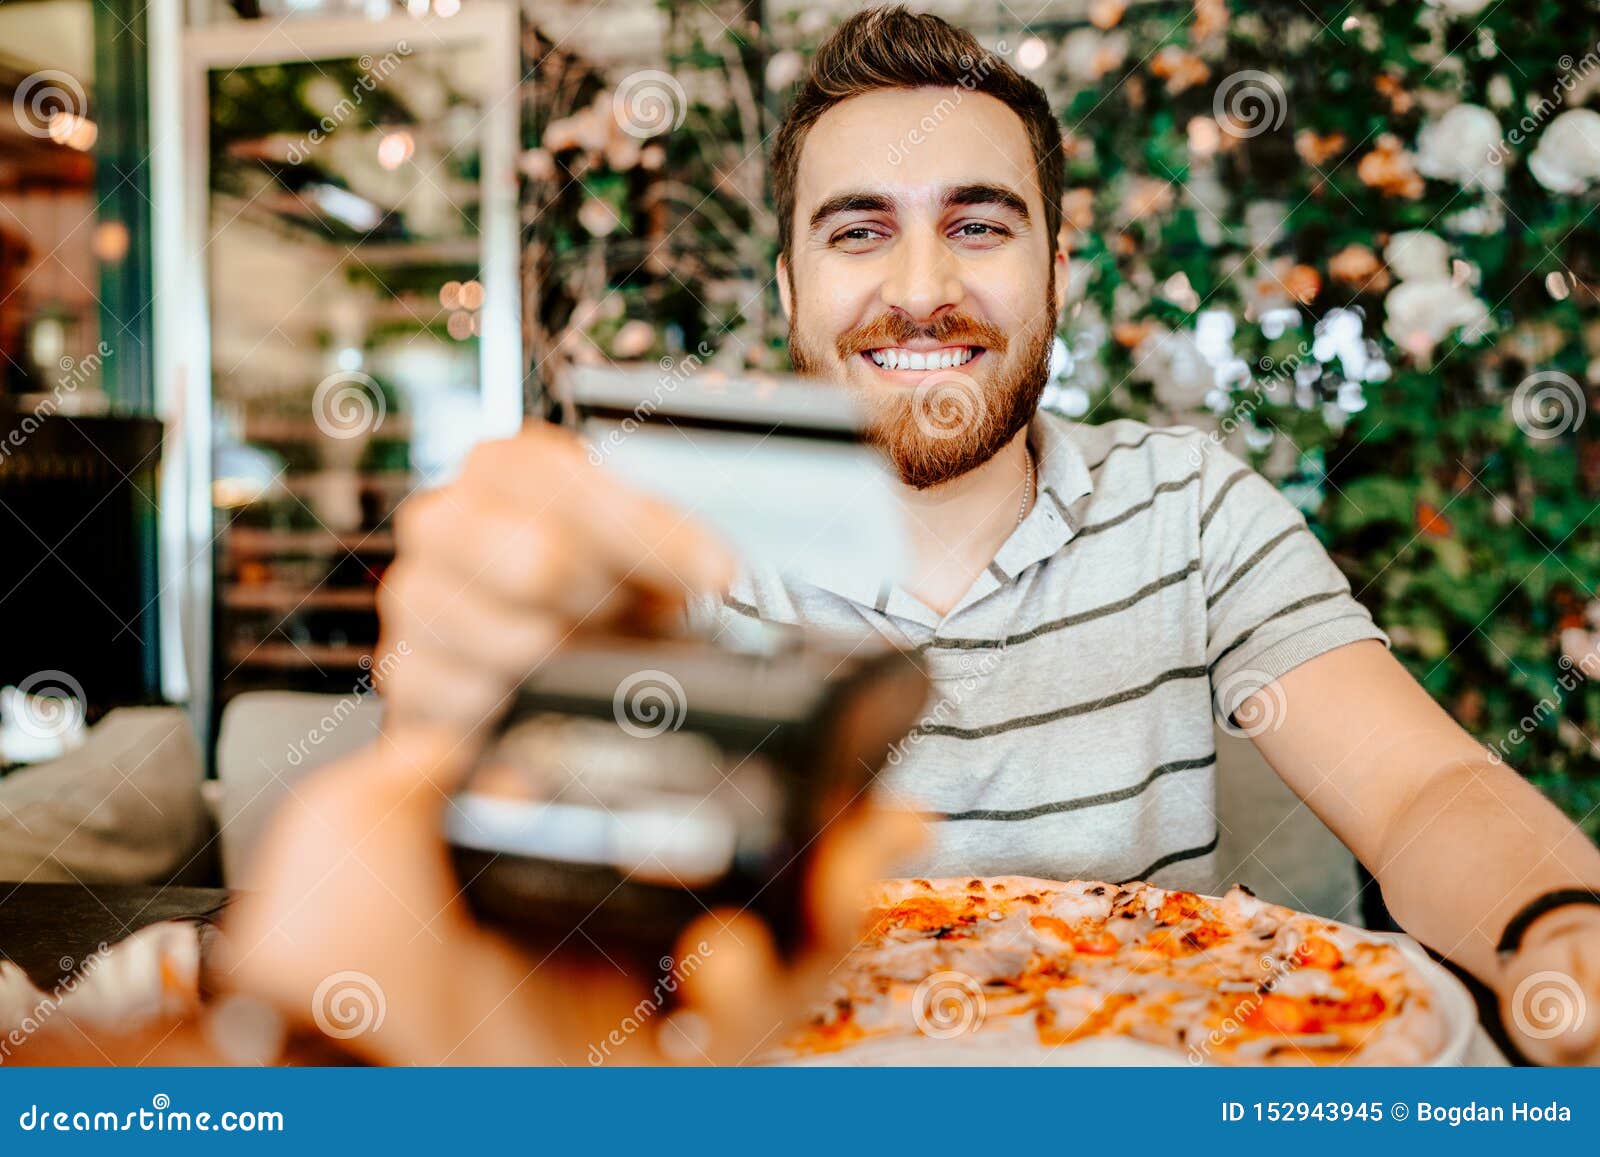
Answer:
[(1156, 583)]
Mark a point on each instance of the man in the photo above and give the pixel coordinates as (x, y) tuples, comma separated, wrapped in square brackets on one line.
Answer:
[(1085, 596)]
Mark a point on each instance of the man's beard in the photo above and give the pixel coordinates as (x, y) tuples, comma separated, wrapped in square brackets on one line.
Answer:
[(947, 424)]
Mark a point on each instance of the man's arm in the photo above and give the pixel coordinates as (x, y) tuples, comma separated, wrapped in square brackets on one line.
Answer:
[(1457, 843)]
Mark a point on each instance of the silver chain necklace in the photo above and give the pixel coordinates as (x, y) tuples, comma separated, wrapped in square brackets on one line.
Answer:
[(1027, 488)]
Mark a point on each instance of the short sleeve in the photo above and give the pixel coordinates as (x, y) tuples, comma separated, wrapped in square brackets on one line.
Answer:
[(1274, 599)]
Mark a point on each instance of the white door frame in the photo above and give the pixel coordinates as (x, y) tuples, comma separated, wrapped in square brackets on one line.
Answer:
[(180, 60)]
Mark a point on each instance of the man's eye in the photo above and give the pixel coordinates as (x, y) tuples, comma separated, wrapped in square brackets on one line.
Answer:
[(859, 233), (980, 229)]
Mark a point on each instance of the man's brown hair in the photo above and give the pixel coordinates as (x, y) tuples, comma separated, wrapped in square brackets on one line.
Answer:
[(889, 48)]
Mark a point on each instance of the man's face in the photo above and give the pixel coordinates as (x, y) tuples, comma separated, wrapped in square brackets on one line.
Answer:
[(920, 273)]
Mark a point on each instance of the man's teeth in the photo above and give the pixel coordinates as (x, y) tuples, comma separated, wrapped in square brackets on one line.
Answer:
[(898, 359)]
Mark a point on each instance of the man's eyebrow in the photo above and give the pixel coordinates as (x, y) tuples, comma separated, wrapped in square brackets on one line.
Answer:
[(859, 201), (985, 194)]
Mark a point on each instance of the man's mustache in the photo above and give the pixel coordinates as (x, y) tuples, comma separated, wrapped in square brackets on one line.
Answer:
[(895, 329)]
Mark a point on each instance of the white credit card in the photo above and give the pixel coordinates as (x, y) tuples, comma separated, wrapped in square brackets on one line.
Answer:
[(772, 463)]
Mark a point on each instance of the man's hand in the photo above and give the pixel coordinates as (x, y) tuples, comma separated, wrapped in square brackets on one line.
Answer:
[(1550, 990), (352, 920), (531, 542)]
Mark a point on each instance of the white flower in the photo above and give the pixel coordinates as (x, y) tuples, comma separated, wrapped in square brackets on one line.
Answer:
[(1464, 146), (1422, 313), (1579, 647), (1567, 157), (1417, 256), (1460, 8), (1173, 363), (784, 69)]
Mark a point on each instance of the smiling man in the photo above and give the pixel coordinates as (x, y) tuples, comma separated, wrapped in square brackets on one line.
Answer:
[(1087, 597)]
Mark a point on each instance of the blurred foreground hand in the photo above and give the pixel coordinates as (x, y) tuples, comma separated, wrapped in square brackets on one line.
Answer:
[(352, 921)]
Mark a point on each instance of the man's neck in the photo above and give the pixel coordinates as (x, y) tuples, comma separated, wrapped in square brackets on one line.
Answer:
[(957, 526)]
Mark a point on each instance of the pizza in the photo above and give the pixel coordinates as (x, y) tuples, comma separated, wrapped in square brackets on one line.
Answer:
[(1028, 966)]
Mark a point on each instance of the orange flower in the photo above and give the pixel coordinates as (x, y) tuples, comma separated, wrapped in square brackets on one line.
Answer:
[(1129, 334), (1431, 522), (1145, 197), (1180, 69), (1106, 14), (1359, 268), (1077, 208), (1303, 284), (1318, 150), (1388, 169), (1400, 101), (1210, 18)]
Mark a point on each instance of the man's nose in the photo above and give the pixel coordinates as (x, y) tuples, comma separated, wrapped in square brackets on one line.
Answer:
[(924, 277)]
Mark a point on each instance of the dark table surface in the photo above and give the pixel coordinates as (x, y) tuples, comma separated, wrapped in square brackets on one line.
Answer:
[(49, 929)]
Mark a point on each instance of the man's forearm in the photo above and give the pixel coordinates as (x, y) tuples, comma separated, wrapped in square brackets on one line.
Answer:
[(1471, 847)]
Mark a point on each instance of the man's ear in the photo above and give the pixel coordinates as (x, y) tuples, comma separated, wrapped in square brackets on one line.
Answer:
[(1063, 285), (785, 297)]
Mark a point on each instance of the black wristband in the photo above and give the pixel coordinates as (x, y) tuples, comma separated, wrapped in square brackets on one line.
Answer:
[(1511, 938)]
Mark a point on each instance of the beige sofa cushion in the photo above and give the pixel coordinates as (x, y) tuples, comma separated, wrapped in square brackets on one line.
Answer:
[(125, 808), (269, 739)]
